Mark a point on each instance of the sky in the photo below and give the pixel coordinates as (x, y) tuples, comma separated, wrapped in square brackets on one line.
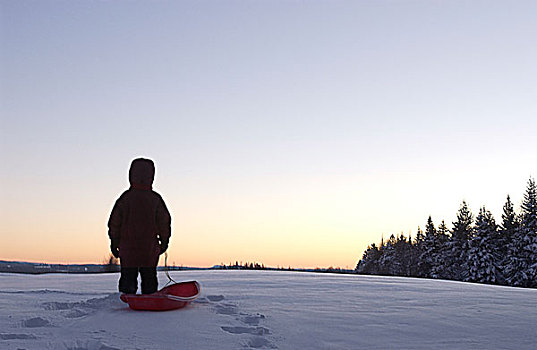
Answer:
[(291, 133)]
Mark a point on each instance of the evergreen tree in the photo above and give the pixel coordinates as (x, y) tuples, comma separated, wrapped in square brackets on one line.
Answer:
[(483, 257), (412, 257), (529, 226), (439, 253), (457, 247), (402, 257), (388, 258), (420, 237), (508, 230), (418, 247), (369, 264), (522, 268), (509, 219), (425, 262)]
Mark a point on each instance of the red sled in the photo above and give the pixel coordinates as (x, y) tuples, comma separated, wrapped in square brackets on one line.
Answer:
[(172, 297)]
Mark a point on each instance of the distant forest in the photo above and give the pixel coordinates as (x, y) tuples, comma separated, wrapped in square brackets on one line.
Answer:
[(477, 250)]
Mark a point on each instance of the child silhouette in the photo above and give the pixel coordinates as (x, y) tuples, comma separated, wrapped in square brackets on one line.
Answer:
[(139, 229)]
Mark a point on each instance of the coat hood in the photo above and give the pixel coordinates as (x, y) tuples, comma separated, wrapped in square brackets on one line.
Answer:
[(142, 173)]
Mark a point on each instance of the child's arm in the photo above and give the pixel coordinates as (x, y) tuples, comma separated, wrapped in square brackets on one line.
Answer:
[(164, 221), (114, 226)]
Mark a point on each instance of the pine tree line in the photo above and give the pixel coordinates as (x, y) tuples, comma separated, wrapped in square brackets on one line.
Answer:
[(477, 250)]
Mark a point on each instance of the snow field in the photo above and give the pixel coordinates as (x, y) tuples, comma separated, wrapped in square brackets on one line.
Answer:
[(268, 310)]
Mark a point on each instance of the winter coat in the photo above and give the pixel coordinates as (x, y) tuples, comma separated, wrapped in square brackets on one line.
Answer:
[(140, 222)]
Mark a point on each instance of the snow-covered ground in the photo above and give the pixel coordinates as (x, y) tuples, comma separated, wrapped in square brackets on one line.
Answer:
[(268, 309)]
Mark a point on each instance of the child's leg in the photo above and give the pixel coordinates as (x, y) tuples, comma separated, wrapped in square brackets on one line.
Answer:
[(128, 282), (149, 279)]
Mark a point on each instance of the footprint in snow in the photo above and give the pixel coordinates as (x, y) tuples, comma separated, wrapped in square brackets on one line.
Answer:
[(75, 313), (86, 307), (36, 322), (17, 336), (91, 344), (248, 323), (260, 343), (252, 320), (227, 309), (246, 330), (209, 299), (215, 298)]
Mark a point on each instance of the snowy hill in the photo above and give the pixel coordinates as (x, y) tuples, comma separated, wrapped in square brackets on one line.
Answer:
[(268, 309)]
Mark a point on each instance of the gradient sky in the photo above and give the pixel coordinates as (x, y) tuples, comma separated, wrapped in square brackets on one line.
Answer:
[(284, 132)]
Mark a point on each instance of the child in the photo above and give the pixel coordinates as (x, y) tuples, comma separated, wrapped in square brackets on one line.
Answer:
[(139, 229)]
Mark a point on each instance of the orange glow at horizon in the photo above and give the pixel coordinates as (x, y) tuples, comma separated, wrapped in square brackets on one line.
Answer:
[(299, 225), (189, 252)]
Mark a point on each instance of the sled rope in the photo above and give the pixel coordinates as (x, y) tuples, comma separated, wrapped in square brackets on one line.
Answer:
[(166, 270)]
